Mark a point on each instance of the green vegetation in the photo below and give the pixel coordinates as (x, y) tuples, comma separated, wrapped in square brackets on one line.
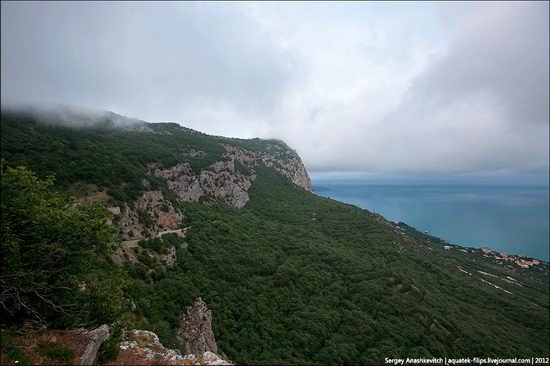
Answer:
[(56, 353), (296, 278), (241, 168), (144, 218), (16, 353), (161, 245), (55, 263), (10, 350), (110, 157), (110, 348), (292, 278)]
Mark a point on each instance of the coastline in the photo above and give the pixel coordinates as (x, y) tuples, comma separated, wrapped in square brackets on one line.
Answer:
[(348, 195)]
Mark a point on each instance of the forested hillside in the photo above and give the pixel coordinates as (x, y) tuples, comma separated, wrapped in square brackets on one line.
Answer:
[(290, 277)]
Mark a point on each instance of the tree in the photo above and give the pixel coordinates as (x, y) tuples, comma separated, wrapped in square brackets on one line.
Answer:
[(51, 250)]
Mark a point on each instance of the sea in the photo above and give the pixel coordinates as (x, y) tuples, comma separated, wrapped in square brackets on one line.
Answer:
[(514, 219)]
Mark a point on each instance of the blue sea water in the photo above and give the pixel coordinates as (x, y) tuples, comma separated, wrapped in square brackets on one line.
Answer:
[(513, 219)]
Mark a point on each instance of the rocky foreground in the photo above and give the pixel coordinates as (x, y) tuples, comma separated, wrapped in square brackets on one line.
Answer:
[(144, 348), (139, 347)]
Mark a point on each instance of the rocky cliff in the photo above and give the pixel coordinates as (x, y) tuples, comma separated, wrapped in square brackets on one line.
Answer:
[(198, 344), (195, 334), (229, 182), (220, 180), (279, 157), (227, 178)]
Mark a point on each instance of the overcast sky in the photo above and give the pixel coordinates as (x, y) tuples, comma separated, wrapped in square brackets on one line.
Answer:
[(443, 90)]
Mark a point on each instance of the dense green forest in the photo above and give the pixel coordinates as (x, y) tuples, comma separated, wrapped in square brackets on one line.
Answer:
[(291, 278)]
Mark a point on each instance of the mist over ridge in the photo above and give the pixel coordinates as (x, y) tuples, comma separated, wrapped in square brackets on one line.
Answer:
[(416, 90)]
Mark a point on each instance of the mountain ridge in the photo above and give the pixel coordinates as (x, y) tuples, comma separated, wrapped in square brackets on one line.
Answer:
[(290, 277)]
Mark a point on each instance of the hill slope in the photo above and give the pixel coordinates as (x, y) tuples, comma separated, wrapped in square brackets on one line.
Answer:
[(290, 277)]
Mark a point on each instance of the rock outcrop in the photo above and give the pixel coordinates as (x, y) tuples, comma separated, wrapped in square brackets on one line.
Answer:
[(140, 347), (225, 181), (279, 157), (144, 348), (151, 214), (95, 338), (195, 334), (220, 180), (192, 153)]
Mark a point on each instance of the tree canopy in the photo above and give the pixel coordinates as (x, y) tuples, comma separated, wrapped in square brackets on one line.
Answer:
[(53, 254)]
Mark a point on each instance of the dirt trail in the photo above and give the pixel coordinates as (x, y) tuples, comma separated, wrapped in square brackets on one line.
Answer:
[(134, 242)]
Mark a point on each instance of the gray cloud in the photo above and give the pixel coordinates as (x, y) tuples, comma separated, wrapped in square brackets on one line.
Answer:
[(502, 50), (420, 89), (483, 106), (479, 107), (154, 60)]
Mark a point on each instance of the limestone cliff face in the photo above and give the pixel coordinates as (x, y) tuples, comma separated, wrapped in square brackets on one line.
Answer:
[(221, 180), (224, 181), (279, 157), (227, 180)]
